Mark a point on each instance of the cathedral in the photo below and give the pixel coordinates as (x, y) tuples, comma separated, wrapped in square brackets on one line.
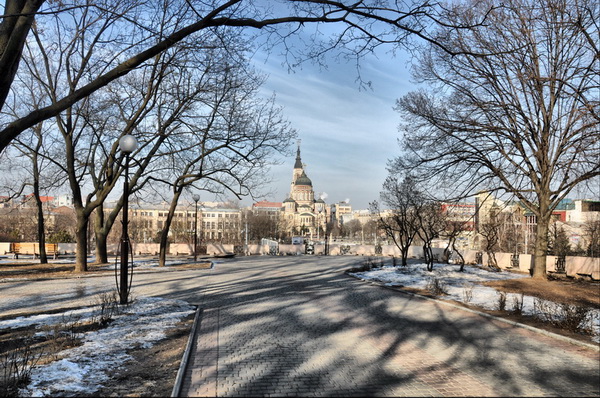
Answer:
[(304, 215)]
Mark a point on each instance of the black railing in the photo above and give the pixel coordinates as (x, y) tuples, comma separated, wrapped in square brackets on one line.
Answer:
[(560, 264), (514, 260)]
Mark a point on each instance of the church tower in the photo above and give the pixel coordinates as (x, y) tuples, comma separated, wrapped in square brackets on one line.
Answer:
[(298, 168), (301, 190), (302, 214)]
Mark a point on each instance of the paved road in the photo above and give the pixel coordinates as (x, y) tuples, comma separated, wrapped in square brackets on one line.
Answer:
[(277, 326)]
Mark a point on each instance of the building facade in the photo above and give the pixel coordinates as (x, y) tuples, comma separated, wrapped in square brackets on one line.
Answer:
[(302, 214)]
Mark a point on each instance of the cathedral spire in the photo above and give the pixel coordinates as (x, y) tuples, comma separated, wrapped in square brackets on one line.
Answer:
[(298, 164)]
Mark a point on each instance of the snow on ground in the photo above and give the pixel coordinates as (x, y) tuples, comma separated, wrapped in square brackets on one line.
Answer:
[(466, 287), (83, 369)]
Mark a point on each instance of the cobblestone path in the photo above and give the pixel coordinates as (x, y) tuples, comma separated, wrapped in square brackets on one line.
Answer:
[(290, 327)]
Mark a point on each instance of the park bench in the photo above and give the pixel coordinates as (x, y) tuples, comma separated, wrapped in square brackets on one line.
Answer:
[(32, 248)]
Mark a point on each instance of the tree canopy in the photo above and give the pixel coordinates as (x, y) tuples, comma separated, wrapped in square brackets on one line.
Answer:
[(136, 31), (522, 119)]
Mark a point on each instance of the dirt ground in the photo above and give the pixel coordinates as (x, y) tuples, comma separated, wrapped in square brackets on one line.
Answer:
[(560, 290), (152, 371)]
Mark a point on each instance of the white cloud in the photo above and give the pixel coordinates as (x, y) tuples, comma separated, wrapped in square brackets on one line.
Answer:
[(347, 134)]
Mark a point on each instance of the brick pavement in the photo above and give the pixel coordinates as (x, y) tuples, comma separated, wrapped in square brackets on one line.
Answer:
[(296, 326), (303, 329)]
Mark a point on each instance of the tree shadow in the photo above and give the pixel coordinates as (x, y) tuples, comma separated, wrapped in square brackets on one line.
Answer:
[(289, 326)]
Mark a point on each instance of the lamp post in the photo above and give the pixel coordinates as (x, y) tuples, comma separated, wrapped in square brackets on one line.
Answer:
[(319, 223), (127, 144), (196, 198)]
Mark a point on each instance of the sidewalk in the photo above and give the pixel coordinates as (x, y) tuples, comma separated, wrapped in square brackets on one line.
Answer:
[(331, 335)]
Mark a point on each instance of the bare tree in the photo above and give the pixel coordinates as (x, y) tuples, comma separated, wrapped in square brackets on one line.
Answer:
[(41, 175), (401, 223), (490, 230), (363, 26), (453, 230), (230, 153), (260, 226), (431, 222), (510, 233), (33, 152), (58, 66), (591, 229), (523, 119)]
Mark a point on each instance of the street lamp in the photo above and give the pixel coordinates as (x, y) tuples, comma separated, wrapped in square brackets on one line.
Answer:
[(196, 198), (127, 144), (319, 223)]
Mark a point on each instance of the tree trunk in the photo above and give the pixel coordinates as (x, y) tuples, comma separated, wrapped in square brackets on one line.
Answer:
[(101, 234), (162, 256), (162, 252), (81, 239), (492, 262), (14, 29), (41, 232), (428, 253), (38, 200), (447, 251), (541, 247), (101, 247), (460, 256), (404, 252)]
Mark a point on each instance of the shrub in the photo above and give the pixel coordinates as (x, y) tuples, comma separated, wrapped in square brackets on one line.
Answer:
[(517, 305), (62, 335), (436, 287), (15, 367), (108, 306), (501, 306), (60, 237), (468, 292)]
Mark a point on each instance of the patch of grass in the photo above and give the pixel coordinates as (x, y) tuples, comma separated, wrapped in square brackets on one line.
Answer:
[(23, 348)]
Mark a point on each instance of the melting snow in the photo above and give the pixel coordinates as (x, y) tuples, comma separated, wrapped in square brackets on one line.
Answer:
[(465, 287), (83, 369)]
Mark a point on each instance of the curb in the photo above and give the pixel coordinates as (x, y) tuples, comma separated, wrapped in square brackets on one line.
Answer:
[(186, 355), (486, 315)]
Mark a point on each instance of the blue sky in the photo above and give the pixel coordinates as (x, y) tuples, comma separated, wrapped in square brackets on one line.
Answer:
[(347, 134)]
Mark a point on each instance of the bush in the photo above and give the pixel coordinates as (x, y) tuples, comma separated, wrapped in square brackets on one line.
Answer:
[(60, 237), (501, 301), (436, 287), (517, 305), (108, 306), (468, 292), (15, 368)]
